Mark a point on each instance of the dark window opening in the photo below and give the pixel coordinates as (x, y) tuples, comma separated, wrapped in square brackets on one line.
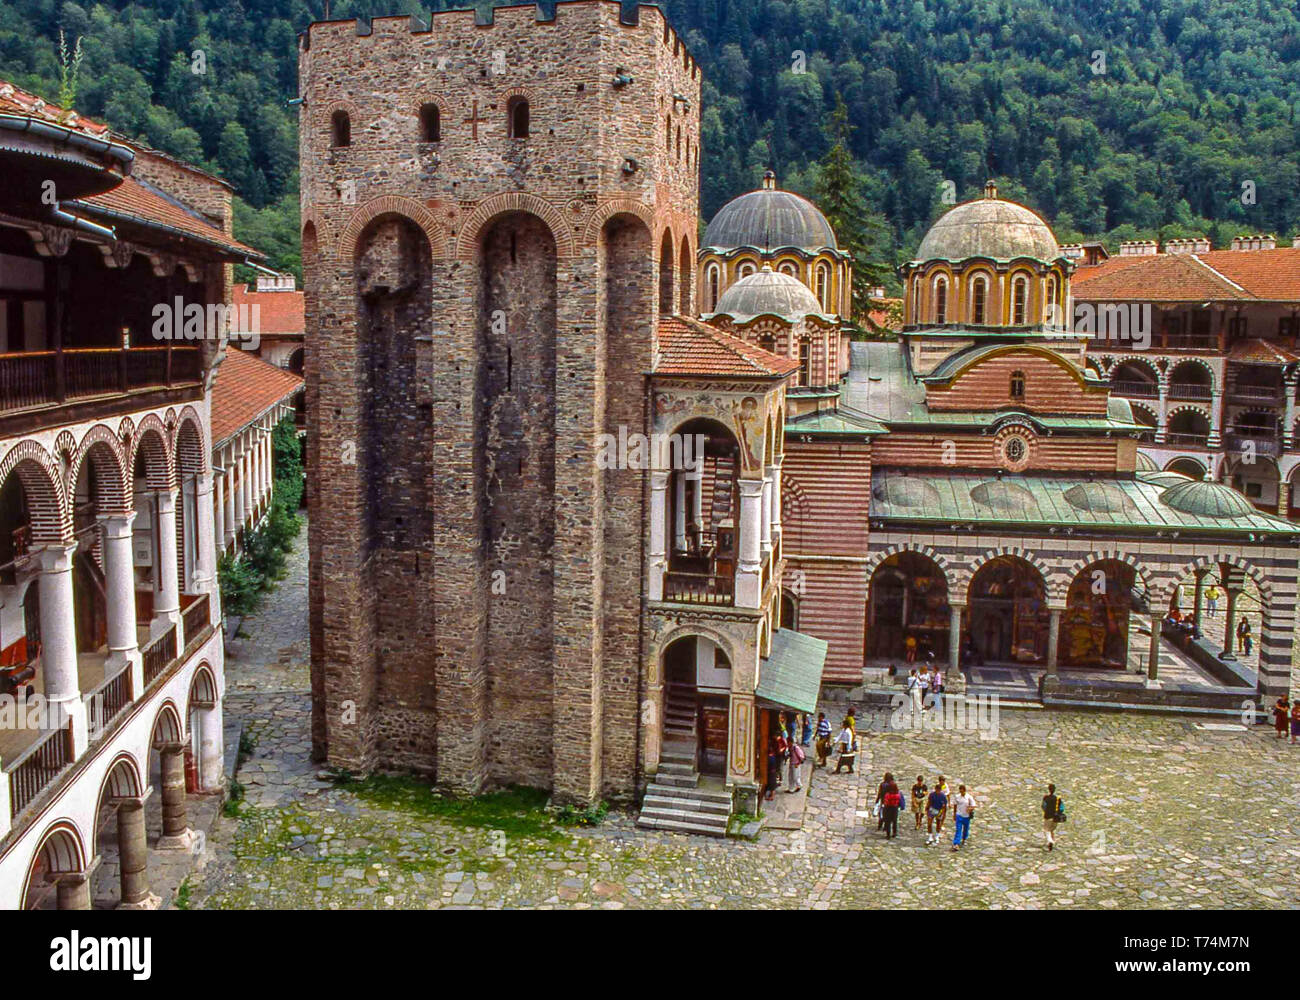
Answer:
[(517, 112), (1017, 385), (340, 129), (430, 124)]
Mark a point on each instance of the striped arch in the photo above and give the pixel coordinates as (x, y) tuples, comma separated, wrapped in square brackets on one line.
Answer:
[(616, 206), (876, 558), (391, 204), (1171, 364), (1212, 562), (794, 502), (1175, 410), (63, 852), (467, 240), (1103, 555), (961, 596), (103, 449), (47, 500), (203, 691), (151, 439), (167, 725), (192, 454)]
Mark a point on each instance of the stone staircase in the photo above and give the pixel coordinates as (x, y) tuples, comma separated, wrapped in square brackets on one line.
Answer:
[(675, 801), (680, 716)]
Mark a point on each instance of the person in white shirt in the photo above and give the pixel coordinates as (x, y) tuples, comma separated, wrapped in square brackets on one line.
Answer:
[(936, 687), (963, 808)]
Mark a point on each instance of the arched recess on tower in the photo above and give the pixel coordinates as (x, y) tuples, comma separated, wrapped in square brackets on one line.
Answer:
[(627, 260), (515, 428), (667, 258)]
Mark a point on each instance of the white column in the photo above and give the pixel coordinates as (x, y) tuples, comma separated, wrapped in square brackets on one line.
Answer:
[(167, 609), (749, 566), (1162, 418), (240, 489), (205, 559), (119, 581), (775, 472), (230, 518), (679, 512), (1216, 418), (1288, 429), (210, 747), (697, 503), (219, 508), (250, 493), (658, 531), (268, 465), (765, 536), (59, 642), (255, 472)]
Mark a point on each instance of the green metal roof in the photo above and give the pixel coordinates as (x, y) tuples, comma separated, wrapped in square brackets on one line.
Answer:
[(1052, 501), (792, 675), (834, 422)]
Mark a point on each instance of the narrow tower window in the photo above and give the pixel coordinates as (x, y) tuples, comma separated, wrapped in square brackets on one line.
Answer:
[(824, 286), (1019, 298), (430, 124), (1018, 385), (941, 301), (340, 129), (517, 112), (713, 287), (978, 295)]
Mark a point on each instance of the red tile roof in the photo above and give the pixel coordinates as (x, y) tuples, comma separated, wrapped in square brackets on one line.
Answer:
[(278, 312), (246, 387), (1214, 276), (1161, 277), (18, 102), (1261, 352), (134, 201), (689, 347)]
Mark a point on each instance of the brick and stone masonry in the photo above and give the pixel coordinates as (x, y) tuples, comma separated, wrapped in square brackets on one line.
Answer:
[(480, 307)]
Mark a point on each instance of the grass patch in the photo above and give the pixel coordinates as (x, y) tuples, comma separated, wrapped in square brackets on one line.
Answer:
[(518, 811), (593, 815), (183, 893), (233, 798)]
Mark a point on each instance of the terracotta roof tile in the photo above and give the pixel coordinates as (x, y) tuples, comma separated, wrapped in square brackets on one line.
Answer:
[(246, 387), (1154, 278), (278, 312), (134, 200), (1261, 352), (1272, 275), (689, 347)]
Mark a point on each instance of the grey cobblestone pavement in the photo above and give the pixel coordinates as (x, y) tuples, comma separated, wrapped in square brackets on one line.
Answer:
[(1164, 812)]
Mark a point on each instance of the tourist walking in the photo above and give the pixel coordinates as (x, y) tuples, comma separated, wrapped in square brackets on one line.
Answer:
[(1053, 813), (919, 793), (936, 808), (1212, 601), (796, 759), (909, 647), (1244, 638), (1281, 713), (848, 743), (963, 808), (823, 739), (879, 808), (1295, 723), (805, 737), (936, 686), (773, 768), (891, 803), (914, 691)]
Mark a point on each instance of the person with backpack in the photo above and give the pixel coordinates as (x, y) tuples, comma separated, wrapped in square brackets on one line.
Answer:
[(919, 793), (891, 802), (1053, 813), (963, 808), (936, 808)]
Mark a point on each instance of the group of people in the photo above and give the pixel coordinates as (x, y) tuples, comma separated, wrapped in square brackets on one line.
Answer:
[(929, 805), (1284, 713), (786, 752), (921, 685)]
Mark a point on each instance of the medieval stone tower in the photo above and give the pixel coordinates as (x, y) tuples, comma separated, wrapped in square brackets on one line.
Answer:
[(494, 217)]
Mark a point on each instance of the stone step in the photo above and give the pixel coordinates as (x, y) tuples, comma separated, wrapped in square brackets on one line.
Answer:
[(699, 794), (657, 803), (677, 757), (681, 826), (677, 780), (677, 767), (686, 816)]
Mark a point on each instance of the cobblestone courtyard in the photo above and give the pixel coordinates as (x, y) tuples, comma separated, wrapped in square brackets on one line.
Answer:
[(1164, 812)]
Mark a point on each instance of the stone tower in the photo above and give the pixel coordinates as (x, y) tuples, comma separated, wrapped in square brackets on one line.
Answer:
[(495, 214)]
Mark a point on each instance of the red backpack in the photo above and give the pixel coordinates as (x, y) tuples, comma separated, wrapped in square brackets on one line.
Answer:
[(893, 799)]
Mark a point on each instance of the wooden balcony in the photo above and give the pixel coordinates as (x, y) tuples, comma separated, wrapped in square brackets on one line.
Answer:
[(1263, 443), (195, 619), (37, 767), (34, 379), (1187, 440), (1135, 388), (698, 588), (1256, 395), (1188, 390), (158, 655)]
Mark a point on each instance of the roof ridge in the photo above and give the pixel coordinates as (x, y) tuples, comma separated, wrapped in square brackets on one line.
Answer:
[(1217, 273)]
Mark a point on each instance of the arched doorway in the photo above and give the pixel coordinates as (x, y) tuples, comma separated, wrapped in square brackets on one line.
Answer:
[(1095, 627), (121, 840), (697, 691), (908, 599), (1009, 619)]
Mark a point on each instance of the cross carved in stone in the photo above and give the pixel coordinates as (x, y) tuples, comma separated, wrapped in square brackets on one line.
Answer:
[(474, 119)]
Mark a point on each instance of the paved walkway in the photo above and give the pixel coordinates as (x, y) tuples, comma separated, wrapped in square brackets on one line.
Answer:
[(1164, 812)]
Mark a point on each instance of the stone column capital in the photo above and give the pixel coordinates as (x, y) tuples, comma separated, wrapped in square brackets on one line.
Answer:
[(118, 525), (56, 557)]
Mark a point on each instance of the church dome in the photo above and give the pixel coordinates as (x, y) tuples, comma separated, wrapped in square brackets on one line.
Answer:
[(908, 493), (1099, 498), (1145, 463), (989, 227), (1006, 497), (768, 292), (768, 219), (1207, 499)]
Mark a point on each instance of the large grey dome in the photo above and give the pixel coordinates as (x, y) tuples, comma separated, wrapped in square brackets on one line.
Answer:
[(989, 227), (765, 293), (769, 219)]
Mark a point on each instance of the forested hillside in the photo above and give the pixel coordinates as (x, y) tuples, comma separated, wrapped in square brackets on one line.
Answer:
[(1115, 118)]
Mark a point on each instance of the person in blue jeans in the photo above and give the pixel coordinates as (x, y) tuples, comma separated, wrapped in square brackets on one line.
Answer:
[(963, 808), (805, 737)]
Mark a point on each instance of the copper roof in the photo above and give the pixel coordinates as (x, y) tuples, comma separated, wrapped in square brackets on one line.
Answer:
[(245, 388), (689, 347)]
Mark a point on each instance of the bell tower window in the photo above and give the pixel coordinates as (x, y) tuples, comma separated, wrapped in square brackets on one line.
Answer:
[(517, 118), (340, 129), (430, 123)]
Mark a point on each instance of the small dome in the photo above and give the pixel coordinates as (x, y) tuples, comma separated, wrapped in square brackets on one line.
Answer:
[(905, 492), (1164, 479), (1003, 496), (1145, 463), (989, 227), (1099, 498), (768, 219), (768, 292), (1207, 498)]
